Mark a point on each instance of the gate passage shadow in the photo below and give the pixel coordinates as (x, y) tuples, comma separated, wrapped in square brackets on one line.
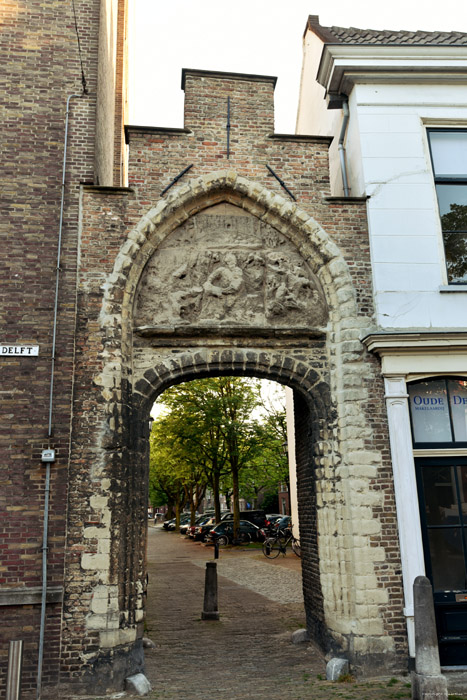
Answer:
[(248, 648)]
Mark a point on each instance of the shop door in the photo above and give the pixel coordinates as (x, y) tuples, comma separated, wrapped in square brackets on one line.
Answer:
[(442, 488)]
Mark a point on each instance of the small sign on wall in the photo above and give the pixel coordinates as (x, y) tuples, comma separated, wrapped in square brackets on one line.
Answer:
[(19, 350)]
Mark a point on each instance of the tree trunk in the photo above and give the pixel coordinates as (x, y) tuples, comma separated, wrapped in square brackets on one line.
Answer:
[(170, 513), (216, 496)]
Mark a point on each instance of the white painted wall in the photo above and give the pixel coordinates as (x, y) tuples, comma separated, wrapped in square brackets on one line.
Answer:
[(292, 459), (388, 160), (405, 232)]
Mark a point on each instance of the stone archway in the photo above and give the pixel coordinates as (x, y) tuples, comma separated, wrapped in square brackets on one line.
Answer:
[(292, 317)]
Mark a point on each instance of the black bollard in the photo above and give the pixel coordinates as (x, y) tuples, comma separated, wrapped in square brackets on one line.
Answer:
[(210, 611), (216, 550)]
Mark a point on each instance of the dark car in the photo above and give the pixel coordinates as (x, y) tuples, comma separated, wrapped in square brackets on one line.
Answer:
[(284, 523), (222, 533), (171, 524), (191, 529), (202, 529), (257, 517)]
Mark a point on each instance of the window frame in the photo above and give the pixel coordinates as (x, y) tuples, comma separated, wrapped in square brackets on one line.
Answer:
[(446, 180), (459, 444)]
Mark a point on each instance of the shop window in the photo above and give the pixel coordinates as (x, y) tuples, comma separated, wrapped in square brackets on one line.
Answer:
[(449, 157), (438, 411)]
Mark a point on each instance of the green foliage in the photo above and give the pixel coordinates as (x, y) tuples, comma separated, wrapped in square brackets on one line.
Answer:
[(216, 432), (455, 243)]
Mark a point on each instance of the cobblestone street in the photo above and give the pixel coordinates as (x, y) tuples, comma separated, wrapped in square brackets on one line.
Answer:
[(248, 653)]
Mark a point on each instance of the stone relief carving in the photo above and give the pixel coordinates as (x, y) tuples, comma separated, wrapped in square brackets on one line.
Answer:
[(225, 267)]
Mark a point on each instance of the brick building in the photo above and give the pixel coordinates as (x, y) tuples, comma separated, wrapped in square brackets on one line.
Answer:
[(46, 84), (221, 250)]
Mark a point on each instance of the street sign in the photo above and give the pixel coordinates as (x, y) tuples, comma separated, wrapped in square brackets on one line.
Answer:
[(19, 350)]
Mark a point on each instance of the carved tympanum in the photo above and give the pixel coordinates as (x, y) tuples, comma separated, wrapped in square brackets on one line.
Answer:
[(226, 267)]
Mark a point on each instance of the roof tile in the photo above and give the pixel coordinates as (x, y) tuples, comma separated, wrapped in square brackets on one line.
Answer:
[(352, 35)]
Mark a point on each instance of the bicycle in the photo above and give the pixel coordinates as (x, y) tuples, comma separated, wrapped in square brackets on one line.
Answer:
[(242, 539), (273, 546)]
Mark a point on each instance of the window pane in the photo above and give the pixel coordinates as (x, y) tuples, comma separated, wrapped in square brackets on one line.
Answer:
[(440, 496), (452, 200), (447, 559), (449, 152), (458, 398), (429, 411), (462, 480), (455, 248)]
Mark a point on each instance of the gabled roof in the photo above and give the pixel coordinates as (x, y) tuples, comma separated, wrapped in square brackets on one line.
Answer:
[(384, 37)]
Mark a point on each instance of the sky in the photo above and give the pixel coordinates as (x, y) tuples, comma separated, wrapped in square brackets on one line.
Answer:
[(249, 36)]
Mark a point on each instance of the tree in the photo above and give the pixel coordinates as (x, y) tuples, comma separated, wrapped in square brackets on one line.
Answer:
[(454, 225), (271, 465), (166, 472), (213, 430), (195, 428)]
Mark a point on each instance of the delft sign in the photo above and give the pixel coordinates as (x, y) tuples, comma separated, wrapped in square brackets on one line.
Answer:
[(19, 350)]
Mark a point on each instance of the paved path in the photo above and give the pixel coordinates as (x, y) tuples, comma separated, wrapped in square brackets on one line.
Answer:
[(248, 653)]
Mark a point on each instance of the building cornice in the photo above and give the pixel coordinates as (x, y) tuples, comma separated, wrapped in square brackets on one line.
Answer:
[(227, 76), (416, 342), (344, 65)]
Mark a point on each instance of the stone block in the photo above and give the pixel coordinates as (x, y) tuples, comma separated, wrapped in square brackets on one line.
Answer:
[(138, 684), (300, 636), (335, 668), (429, 687), (95, 562)]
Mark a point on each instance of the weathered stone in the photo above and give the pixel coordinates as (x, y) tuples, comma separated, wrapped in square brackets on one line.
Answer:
[(335, 668), (300, 636), (427, 681), (138, 684)]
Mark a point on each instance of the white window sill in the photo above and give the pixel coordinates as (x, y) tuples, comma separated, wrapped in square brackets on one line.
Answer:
[(454, 288)]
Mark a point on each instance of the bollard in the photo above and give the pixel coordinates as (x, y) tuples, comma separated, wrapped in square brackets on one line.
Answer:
[(216, 550), (210, 611), (15, 662), (427, 681)]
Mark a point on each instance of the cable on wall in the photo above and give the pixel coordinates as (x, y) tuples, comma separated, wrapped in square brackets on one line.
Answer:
[(83, 78)]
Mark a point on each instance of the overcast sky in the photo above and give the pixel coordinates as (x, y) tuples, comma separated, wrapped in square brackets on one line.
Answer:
[(249, 36)]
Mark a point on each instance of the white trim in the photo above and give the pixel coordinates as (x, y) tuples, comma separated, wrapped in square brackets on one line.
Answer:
[(448, 452), (343, 65), (405, 489)]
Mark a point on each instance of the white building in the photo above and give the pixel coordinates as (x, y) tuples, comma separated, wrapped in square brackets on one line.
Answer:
[(396, 104)]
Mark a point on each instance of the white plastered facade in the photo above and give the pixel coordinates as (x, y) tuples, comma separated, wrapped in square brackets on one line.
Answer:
[(394, 94)]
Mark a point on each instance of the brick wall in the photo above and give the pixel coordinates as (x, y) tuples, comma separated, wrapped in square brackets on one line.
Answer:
[(117, 376), (344, 465), (42, 68)]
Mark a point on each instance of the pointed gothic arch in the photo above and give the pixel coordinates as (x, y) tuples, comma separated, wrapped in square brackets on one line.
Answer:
[(332, 378)]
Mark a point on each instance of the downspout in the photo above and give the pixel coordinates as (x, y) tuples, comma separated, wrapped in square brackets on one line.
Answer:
[(48, 456), (345, 107)]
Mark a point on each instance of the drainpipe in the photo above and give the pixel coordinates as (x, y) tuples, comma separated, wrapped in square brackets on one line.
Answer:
[(345, 107), (48, 456)]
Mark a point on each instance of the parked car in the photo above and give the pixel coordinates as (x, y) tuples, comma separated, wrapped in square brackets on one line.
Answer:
[(222, 533), (270, 529), (190, 529), (202, 530), (257, 517), (284, 523), (171, 524)]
